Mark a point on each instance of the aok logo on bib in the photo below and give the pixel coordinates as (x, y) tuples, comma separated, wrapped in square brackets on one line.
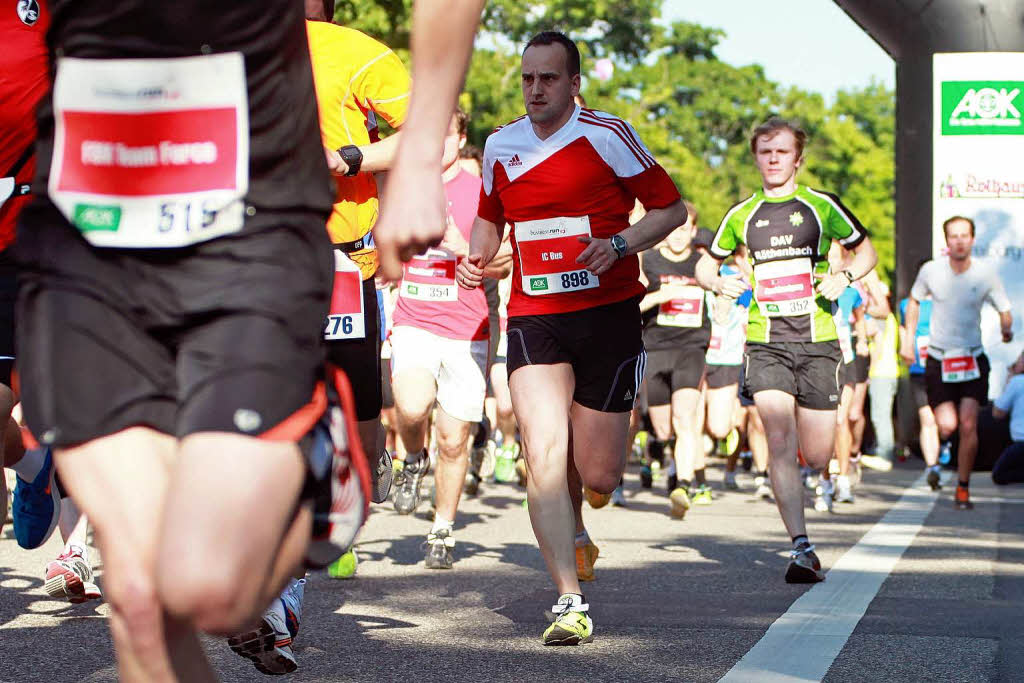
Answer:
[(982, 107)]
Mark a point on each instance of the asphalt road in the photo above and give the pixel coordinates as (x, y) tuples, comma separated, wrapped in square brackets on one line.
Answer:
[(673, 600)]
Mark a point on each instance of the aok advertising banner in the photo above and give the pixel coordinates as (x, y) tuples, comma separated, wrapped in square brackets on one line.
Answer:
[(979, 173)]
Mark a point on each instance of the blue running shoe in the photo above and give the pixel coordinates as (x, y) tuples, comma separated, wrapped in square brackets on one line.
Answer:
[(35, 506)]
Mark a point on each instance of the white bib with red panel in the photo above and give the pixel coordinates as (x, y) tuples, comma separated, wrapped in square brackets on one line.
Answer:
[(959, 365), (547, 255), (784, 288), (347, 319), (151, 153), (431, 277)]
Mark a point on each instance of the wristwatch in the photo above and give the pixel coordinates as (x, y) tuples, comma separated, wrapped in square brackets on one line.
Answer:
[(619, 245), (351, 155), (849, 276)]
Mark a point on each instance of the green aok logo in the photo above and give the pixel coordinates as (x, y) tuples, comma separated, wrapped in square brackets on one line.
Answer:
[(982, 107), (89, 217), (772, 308), (538, 284)]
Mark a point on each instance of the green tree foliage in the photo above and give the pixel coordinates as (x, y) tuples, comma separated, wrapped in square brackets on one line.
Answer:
[(693, 111)]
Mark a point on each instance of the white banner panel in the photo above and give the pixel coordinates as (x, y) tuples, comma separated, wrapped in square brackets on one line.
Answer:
[(979, 172)]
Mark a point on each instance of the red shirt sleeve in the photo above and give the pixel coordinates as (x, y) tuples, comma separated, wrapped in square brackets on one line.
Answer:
[(653, 187)]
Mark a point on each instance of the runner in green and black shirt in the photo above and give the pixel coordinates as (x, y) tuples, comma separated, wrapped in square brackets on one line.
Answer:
[(793, 362)]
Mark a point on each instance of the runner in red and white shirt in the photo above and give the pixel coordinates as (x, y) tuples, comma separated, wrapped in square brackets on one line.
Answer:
[(565, 179), (439, 346)]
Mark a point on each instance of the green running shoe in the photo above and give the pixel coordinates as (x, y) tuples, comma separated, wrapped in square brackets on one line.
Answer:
[(345, 566), (702, 496), (572, 625)]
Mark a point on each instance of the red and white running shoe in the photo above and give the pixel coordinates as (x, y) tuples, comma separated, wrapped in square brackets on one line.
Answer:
[(70, 578), (342, 476)]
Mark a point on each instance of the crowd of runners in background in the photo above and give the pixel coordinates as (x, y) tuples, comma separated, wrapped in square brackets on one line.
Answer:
[(573, 319)]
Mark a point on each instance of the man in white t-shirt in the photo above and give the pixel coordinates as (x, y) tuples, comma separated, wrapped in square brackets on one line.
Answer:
[(956, 372)]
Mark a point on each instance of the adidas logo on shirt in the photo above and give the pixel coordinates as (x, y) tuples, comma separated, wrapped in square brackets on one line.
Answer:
[(628, 396), (514, 161)]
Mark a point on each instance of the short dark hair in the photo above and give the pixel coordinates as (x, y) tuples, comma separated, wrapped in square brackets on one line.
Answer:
[(572, 53), (951, 219), (472, 152), (461, 120), (771, 128)]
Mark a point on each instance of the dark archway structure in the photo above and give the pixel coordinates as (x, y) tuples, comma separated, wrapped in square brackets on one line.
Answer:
[(911, 31)]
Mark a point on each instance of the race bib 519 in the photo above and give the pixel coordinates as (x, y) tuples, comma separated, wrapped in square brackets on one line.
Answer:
[(151, 153)]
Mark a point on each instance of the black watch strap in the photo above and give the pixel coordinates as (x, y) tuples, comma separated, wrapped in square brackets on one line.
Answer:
[(352, 157), (619, 245)]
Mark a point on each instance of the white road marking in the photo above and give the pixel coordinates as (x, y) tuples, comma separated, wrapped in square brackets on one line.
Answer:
[(802, 644)]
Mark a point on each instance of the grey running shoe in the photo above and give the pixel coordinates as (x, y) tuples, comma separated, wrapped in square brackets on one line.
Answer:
[(407, 497), (381, 477), (439, 549)]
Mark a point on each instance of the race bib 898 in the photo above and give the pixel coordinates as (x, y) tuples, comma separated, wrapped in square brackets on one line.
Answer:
[(547, 255)]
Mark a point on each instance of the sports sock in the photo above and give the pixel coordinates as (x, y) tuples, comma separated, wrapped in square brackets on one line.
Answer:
[(31, 464), (698, 476), (799, 541), (965, 484), (685, 483), (413, 460), (441, 523), (582, 539), (78, 549)]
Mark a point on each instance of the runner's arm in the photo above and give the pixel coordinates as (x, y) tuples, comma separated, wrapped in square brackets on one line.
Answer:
[(706, 274), (501, 265), (910, 319), (653, 227), (655, 298), (1006, 325), (441, 43), (832, 285), (599, 255), (484, 243), (861, 327), (377, 156)]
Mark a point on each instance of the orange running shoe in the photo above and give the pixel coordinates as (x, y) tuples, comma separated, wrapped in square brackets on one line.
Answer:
[(586, 556), (596, 500), (962, 499)]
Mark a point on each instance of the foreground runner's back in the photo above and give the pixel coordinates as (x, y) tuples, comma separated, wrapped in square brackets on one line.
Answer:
[(565, 178), (177, 278)]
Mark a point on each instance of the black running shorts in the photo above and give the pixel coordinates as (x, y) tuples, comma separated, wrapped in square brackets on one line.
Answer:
[(919, 391), (848, 375), (861, 368), (222, 336), (604, 346), (669, 370), (940, 392), (811, 372), (720, 376), (360, 358)]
